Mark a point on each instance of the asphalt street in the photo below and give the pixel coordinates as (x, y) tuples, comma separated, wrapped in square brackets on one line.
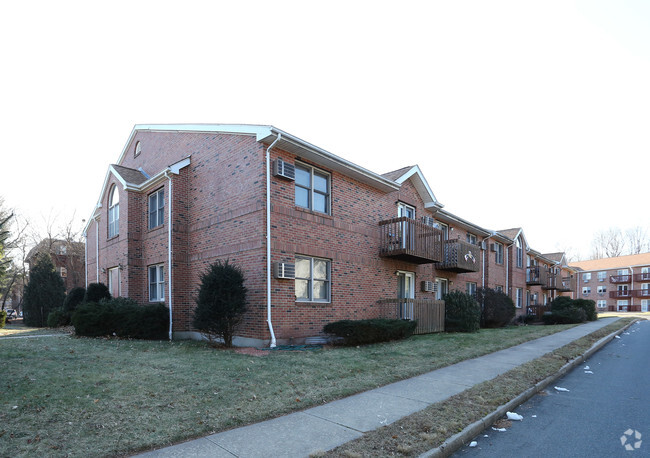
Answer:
[(604, 413)]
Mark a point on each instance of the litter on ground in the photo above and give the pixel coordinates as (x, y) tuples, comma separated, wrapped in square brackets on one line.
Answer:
[(514, 416), (473, 444), (589, 372), (559, 388)]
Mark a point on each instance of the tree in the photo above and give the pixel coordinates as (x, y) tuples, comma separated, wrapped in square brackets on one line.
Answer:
[(44, 292), (609, 243), (5, 261), (637, 240), (221, 302)]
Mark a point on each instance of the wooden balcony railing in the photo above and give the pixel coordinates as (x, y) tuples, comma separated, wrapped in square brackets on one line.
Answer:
[(429, 313), (622, 294), (536, 275), (642, 293), (552, 281), (537, 310), (459, 256), (410, 240), (620, 278), (642, 277), (568, 284)]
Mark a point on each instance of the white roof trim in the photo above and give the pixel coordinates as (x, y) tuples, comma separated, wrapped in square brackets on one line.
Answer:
[(421, 185)]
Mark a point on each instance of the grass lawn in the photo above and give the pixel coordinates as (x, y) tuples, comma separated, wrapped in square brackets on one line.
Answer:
[(67, 396)]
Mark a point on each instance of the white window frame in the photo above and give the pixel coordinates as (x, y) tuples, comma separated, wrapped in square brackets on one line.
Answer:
[(470, 288), (311, 280), (602, 303), (63, 272), (586, 290), (519, 249), (156, 282), (111, 271), (114, 212), (519, 297), (311, 190), (586, 277), (472, 239), (602, 275), (498, 254), (156, 208)]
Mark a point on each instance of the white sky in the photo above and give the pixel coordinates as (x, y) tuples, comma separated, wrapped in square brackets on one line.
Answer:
[(540, 109)]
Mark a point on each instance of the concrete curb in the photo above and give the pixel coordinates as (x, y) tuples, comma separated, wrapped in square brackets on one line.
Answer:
[(457, 441)]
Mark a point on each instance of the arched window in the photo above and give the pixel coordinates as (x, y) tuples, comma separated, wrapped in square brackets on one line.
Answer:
[(137, 150), (520, 253), (114, 212)]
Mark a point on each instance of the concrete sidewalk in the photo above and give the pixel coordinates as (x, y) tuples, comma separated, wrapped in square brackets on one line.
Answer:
[(325, 427)]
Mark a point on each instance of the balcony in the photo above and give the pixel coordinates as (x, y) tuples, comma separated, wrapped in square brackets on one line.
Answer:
[(621, 294), (536, 275), (568, 284), (620, 278), (642, 277), (552, 281), (460, 257), (409, 240), (642, 293)]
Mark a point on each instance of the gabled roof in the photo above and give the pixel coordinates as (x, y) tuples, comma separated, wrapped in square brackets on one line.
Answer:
[(128, 175), (619, 262), (421, 186)]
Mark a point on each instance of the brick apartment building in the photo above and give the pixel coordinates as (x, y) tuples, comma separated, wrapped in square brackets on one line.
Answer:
[(67, 257), (619, 284), (319, 238)]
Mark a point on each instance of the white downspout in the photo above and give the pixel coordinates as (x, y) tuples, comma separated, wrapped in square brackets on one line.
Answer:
[(86, 259), (268, 239), (169, 250), (483, 270), (97, 249)]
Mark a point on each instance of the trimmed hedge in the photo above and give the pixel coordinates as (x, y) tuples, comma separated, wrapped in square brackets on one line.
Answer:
[(57, 317), (498, 310), (571, 315), (462, 312), (565, 310), (96, 292), (121, 317), (361, 332)]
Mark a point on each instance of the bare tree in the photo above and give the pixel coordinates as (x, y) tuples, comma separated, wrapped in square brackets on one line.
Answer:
[(608, 244), (637, 240)]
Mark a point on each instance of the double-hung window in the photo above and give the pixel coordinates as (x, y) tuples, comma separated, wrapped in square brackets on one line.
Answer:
[(470, 287), (519, 297), (498, 253), (156, 208), (312, 189), (312, 279), (157, 283)]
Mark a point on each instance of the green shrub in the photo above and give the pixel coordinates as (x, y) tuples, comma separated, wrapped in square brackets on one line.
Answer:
[(73, 299), (3, 318), (362, 332), (497, 309), (57, 318), (570, 315), (44, 292), (462, 312), (561, 303), (96, 292), (589, 306), (121, 317), (221, 302)]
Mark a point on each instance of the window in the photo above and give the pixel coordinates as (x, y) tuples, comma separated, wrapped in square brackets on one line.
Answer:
[(114, 212), (602, 276), (527, 297), (312, 279), (114, 281), (63, 250), (471, 238), (445, 231), (470, 287), (602, 290), (586, 290), (442, 288), (156, 208), (586, 277), (64, 272), (498, 255), (602, 304), (519, 293), (157, 283), (137, 150), (520, 253), (312, 189)]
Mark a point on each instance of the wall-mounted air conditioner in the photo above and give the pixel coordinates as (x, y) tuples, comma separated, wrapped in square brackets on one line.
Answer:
[(284, 170), (284, 270)]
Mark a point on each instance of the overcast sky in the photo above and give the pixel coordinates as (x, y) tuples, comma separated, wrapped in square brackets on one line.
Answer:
[(520, 114)]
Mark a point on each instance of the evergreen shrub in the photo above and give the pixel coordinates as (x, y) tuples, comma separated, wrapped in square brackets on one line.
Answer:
[(462, 312), (96, 292), (497, 309), (362, 332), (44, 292)]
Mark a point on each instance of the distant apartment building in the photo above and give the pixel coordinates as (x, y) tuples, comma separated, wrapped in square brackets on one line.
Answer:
[(619, 284), (318, 237), (68, 259)]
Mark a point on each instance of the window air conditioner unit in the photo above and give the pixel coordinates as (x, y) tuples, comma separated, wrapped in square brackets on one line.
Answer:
[(429, 286), (284, 270), (429, 221), (493, 247), (284, 170)]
